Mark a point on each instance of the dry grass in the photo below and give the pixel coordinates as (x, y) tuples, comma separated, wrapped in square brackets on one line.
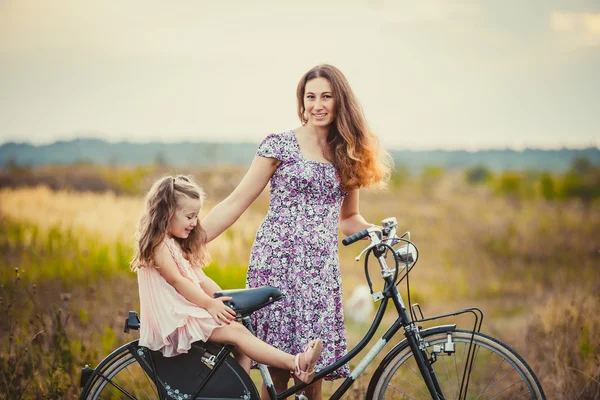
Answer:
[(509, 257)]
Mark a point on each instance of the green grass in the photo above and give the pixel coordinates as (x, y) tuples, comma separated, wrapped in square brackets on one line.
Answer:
[(513, 259)]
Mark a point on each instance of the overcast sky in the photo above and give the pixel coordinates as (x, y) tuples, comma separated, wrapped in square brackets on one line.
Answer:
[(429, 73)]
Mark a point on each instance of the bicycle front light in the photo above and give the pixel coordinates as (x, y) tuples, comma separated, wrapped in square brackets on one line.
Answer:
[(406, 255)]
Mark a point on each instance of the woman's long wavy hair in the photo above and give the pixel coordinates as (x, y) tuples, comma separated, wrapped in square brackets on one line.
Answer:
[(161, 204), (351, 146)]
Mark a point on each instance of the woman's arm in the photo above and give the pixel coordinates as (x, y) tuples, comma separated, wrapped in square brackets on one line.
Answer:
[(224, 214), (167, 268), (350, 219)]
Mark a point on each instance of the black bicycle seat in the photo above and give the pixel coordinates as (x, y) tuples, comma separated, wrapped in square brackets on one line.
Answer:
[(245, 301)]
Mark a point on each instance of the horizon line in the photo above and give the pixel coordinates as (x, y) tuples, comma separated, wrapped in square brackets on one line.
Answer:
[(392, 148)]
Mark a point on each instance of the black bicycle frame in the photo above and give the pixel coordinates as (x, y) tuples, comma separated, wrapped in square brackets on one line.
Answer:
[(403, 321)]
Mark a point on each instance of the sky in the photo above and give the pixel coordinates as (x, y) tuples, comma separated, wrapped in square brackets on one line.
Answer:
[(429, 74)]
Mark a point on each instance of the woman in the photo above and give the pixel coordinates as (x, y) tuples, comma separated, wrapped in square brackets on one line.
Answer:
[(315, 172)]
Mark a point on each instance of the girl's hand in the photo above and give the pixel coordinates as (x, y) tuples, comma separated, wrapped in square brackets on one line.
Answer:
[(219, 311)]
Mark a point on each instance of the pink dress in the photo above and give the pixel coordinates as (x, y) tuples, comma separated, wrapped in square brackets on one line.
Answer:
[(169, 322)]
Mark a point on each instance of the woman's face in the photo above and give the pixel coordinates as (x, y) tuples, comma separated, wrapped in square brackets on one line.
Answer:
[(319, 102), (185, 218)]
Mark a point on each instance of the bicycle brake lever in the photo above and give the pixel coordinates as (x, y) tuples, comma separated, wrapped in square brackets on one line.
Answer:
[(357, 258), (374, 233)]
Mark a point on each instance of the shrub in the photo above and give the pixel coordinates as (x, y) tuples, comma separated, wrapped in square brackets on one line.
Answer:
[(564, 344), (478, 175)]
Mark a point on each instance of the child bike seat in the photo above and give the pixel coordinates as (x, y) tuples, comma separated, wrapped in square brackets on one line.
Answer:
[(245, 301)]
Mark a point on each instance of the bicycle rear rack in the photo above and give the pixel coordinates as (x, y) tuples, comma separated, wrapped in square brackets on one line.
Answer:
[(478, 321)]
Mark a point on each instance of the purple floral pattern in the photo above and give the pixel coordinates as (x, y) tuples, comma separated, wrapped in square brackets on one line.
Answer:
[(296, 250)]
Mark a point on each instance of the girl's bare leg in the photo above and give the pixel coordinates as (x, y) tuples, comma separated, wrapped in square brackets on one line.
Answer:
[(237, 335), (242, 359)]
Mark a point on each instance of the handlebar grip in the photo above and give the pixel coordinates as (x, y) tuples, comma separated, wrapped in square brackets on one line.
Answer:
[(357, 236)]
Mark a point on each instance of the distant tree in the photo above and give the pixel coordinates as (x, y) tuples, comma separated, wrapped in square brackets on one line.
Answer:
[(582, 181), (510, 183), (584, 187), (400, 176), (113, 160), (547, 187), (12, 164), (430, 177), (581, 165), (432, 173), (160, 159), (478, 174)]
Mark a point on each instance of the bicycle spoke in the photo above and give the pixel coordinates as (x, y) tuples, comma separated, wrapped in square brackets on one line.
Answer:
[(504, 376), (122, 379), (487, 363), (114, 385), (400, 391), (483, 371), (456, 369), (418, 376), (506, 388), (485, 389), (138, 388), (414, 372), (139, 385), (463, 365), (443, 361)]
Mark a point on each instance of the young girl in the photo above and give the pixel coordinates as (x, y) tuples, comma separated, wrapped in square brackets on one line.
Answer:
[(177, 307)]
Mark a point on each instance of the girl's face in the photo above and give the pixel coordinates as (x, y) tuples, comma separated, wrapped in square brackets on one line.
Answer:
[(185, 218), (319, 102)]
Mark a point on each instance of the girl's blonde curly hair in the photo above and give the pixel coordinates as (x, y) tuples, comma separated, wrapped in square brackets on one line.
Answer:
[(153, 225)]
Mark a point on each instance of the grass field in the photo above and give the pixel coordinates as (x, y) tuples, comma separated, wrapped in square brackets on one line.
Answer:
[(530, 263)]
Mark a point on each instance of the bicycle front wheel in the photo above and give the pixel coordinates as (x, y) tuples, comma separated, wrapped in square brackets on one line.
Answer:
[(497, 371)]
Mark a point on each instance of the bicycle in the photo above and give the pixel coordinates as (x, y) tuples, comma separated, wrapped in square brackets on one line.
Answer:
[(425, 364)]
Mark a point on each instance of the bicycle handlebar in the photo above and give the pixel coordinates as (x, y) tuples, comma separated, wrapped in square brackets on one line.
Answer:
[(357, 236)]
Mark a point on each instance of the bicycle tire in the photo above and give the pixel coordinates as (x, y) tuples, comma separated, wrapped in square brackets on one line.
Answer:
[(121, 361), (120, 376), (400, 378)]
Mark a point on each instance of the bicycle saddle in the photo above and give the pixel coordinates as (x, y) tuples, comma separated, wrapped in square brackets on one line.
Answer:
[(245, 301)]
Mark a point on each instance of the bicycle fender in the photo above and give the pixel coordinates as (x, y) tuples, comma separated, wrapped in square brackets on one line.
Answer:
[(94, 373), (397, 349)]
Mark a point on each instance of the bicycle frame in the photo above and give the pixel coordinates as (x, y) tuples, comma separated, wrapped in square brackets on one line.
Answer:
[(403, 321), (411, 330)]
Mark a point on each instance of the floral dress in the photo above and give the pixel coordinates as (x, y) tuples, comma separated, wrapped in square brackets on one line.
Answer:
[(296, 250)]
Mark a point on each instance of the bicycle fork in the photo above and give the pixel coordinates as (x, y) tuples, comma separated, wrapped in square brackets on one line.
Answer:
[(417, 345)]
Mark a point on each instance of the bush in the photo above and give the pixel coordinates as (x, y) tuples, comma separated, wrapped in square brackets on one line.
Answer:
[(37, 357), (547, 187), (399, 177), (564, 344), (478, 175), (510, 184)]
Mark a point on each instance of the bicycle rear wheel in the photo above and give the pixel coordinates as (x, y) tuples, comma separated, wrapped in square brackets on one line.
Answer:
[(497, 372), (122, 377)]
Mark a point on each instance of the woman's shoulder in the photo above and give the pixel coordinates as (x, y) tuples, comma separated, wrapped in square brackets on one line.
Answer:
[(277, 145), (280, 136)]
